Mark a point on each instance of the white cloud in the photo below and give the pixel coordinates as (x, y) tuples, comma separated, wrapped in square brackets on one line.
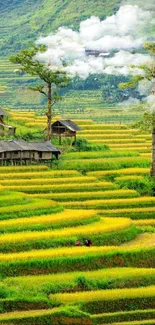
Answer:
[(120, 33)]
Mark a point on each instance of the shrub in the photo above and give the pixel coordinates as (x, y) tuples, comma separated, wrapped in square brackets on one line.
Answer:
[(144, 185), (83, 145)]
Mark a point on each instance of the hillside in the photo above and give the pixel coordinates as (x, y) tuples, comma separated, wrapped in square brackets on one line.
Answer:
[(23, 21), (101, 195)]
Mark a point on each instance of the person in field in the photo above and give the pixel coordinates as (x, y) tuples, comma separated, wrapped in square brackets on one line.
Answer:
[(78, 243), (87, 242)]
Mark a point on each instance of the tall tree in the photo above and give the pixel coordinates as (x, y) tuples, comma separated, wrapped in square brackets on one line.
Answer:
[(148, 120), (51, 81)]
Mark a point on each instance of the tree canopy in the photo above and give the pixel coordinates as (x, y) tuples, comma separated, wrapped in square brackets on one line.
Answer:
[(50, 81)]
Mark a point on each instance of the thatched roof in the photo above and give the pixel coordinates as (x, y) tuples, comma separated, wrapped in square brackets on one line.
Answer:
[(68, 124), (2, 112), (22, 145)]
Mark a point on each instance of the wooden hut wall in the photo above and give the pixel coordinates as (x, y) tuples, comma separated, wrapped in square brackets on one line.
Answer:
[(34, 155), (47, 155), (7, 155), (26, 154), (41, 155), (12, 155), (15, 154), (58, 128), (71, 133), (63, 131)]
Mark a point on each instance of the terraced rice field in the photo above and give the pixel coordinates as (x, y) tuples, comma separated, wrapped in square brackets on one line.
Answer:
[(103, 195)]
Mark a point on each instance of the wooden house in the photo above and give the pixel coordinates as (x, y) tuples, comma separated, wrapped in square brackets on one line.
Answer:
[(15, 151), (65, 128)]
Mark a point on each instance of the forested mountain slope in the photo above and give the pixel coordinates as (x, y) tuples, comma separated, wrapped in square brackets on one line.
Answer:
[(22, 21)]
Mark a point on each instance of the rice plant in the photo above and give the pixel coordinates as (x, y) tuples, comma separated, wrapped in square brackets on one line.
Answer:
[(74, 187), (114, 294), (113, 204), (82, 196), (58, 220), (104, 225)]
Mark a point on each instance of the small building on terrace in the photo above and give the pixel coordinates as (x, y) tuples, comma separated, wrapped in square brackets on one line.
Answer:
[(20, 151), (65, 128)]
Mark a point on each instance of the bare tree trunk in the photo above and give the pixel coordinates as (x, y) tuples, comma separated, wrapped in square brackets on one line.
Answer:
[(49, 114), (153, 153), (153, 134)]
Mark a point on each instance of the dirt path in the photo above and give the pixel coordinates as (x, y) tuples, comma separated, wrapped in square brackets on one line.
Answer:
[(142, 240)]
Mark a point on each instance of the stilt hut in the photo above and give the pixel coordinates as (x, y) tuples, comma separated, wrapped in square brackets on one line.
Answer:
[(65, 128), (20, 151)]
